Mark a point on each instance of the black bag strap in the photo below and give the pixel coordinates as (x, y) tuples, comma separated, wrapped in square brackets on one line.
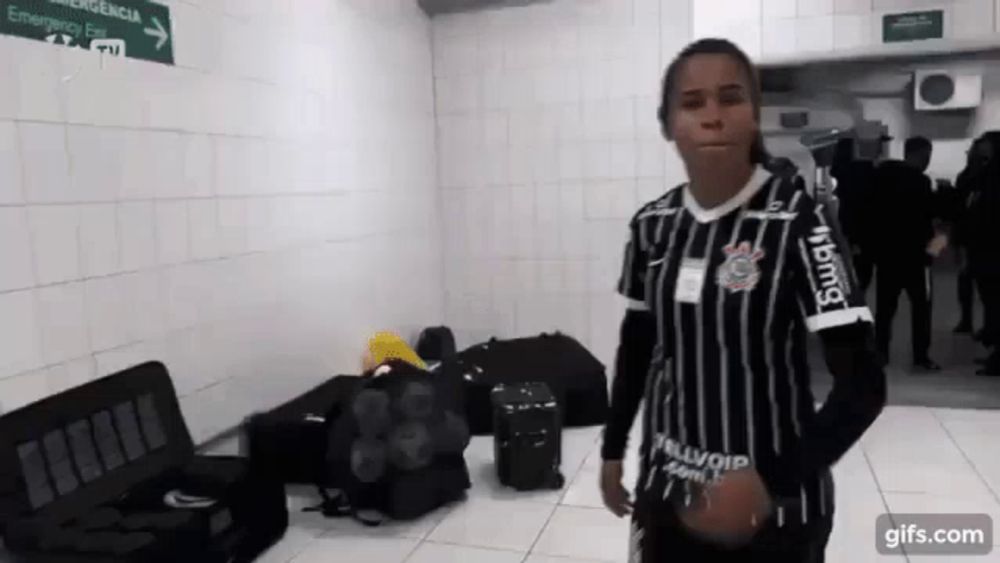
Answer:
[(332, 506), (338, 505)]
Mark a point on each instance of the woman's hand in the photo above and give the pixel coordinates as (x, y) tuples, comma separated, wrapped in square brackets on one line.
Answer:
[(615, 496), (732, 510)]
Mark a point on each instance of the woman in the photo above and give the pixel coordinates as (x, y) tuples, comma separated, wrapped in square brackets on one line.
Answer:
[(723, 277)]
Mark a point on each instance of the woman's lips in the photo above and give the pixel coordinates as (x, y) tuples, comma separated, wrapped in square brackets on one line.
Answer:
[(715, 147)]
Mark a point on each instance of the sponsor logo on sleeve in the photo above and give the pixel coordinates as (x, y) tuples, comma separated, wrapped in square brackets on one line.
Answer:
[(829, 268)]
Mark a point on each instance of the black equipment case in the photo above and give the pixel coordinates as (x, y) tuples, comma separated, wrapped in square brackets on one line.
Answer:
[(527, 442), (290, 441), (398, 446), (436, 343), (107, 472), (572, 373), (309, 440)]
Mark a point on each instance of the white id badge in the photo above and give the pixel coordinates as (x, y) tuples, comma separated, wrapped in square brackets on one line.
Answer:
[(690, 281)]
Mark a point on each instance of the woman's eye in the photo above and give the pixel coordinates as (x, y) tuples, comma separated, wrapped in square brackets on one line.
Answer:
[(692, 103), (731, 98)]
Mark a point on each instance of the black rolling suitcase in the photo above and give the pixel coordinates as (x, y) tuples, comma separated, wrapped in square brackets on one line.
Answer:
[(574, 375), (290, 441), (527, 441)]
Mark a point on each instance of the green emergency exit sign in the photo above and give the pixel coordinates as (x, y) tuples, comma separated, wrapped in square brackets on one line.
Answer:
[(913, 26), (128, 28)]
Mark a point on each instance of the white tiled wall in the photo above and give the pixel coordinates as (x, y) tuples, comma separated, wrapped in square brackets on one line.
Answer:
[(740, 21), (250, 214), (548, 143), (247, 216), (835, 25)]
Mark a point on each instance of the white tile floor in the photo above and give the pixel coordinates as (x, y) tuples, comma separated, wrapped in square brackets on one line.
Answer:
[(913, 460)]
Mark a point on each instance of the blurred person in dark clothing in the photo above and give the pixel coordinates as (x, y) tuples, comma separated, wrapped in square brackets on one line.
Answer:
[(966, 185), (905, 207), (983, 244), (854, 191)]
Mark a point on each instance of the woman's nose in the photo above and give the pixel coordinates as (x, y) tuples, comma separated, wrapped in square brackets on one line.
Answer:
[(714, 122), (711, 117)]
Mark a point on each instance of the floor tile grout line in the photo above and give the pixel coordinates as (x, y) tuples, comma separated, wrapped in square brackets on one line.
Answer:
[(306, 546), (881, 493), (416, 547), (579, 470), (562, 497), (965, 455), (437, 525), (470, 546), (350, 534), (541, 531)]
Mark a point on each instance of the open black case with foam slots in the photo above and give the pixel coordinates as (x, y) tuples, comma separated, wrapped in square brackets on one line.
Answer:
[(107, 472)]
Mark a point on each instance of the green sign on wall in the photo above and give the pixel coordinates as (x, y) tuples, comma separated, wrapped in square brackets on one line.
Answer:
[(913, 26), (139, 29)]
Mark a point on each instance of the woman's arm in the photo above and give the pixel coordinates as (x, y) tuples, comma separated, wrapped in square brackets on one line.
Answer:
[(833, 307), (635, 350), (635, 345), (857, 398)]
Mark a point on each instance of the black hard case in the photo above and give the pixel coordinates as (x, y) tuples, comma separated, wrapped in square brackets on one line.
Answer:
[(527, 440)]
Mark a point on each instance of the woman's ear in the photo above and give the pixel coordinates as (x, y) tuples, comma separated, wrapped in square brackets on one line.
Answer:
[(663, 116), (665, 130)]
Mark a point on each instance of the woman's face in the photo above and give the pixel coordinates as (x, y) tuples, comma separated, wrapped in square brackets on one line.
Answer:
[(712, 114)]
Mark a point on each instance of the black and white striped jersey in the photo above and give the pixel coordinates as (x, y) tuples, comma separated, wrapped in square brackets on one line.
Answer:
[(734, 291)]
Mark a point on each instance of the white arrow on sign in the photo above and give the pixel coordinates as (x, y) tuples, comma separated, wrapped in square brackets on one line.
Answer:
[(159, 32)]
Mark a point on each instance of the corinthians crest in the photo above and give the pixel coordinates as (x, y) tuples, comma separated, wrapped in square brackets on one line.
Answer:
[(740, 271)]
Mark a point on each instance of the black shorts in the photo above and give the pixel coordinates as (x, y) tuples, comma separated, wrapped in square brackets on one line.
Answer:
[(659, 537)]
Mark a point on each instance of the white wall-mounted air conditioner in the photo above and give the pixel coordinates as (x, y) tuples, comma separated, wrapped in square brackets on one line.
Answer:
[(941, 90)]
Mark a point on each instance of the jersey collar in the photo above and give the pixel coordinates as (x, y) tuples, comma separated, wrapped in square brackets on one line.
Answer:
[(702, 215)]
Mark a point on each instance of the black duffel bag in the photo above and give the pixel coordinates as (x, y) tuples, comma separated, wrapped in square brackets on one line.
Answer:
[(289, 442), (575, 376)]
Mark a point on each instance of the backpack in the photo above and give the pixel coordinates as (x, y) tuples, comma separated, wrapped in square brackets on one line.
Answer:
[(396, 448), (436, 343)]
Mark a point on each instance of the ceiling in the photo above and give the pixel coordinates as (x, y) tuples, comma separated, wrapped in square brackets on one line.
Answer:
[(437, 7)]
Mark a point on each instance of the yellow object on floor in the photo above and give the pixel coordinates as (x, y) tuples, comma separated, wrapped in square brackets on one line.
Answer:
[(388, 346)]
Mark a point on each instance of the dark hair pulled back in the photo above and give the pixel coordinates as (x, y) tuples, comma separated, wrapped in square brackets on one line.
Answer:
[(758, 153)]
